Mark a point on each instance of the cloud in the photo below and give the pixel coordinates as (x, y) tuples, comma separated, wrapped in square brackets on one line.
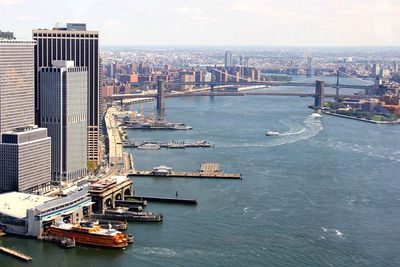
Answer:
[(111, 23), (205, 19), (27, 18), (187, 10), (10, 2)]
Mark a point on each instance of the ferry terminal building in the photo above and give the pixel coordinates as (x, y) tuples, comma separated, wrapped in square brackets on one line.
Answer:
[(31, 215)]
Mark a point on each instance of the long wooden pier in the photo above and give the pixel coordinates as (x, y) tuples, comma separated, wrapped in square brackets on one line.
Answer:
[(166, 199), (207, 171), (169, 144), (16, 254), (232, 176)]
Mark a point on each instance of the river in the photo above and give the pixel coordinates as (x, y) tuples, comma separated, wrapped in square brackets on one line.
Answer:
[(325, 192)]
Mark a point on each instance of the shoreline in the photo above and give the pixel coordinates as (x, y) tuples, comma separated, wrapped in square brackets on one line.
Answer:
[(355, 118), (361, 119)]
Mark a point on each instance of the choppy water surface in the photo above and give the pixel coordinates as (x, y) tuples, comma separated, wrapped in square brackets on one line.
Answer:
[(325, 192)]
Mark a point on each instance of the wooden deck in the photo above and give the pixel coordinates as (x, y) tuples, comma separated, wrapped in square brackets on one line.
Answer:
[(207, 171), (16, 254)]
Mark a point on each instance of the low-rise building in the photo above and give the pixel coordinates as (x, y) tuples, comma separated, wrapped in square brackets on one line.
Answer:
[(32, 215)]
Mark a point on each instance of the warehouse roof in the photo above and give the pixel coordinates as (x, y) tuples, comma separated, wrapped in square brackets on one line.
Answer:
[(15, 204)]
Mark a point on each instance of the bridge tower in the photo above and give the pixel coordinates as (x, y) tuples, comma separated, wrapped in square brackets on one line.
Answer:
[(319, 94), (160, 98), (337, 76), (212, 90)]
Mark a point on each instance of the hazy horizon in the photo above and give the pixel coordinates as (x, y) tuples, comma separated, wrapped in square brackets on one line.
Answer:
[(261, 23)]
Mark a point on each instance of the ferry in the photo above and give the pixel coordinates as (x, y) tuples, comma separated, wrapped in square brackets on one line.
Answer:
[(87, 233), (271, 133)]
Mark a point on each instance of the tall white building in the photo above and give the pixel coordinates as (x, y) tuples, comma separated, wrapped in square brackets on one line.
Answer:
[(376, 69), (63, 111), (16, 84), (228, 59), (25, 155)]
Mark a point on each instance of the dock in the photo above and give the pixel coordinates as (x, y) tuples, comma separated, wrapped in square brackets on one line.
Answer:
[(166, 144), (16, 254), (125, 214), (207, 171), (176, 200), (232, 176)]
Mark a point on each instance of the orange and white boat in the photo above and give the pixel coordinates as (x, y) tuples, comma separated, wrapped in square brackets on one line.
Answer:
[(87, 233)]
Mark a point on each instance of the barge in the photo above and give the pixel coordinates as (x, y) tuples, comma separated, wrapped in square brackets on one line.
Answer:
[(126, 214)]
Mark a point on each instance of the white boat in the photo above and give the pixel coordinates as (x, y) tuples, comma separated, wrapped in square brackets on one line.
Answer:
[(316, 115), (149, 146), (271, 133)]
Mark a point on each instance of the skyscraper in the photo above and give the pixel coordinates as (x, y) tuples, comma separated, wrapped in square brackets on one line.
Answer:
[(63, 111), (228, 59), (74, 43), (16, 84), (25, 160), (25, 156), (309, 66), (376, 68)]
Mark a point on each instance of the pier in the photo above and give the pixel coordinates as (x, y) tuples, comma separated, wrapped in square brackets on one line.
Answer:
[(126, 214), (176, 200), (16, 254), (169, 144), (207, 170)]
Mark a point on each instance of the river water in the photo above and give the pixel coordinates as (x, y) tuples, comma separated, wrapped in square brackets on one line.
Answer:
[(325, 192)]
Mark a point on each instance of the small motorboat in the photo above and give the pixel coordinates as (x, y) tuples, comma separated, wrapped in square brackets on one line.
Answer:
[(130, 238), (271, 133)]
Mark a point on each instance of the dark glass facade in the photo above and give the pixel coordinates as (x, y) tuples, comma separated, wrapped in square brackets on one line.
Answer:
[(83, 48)]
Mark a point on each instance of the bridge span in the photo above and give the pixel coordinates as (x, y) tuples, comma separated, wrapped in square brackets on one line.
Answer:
[(319, 94)]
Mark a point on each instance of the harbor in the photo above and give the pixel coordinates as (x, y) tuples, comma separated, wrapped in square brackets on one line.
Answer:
[(154, 145), (207, 171)]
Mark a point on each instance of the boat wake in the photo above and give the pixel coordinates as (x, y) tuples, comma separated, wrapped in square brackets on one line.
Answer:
[(309, 128), (376, 151), (159, 251), (332, 232), (291, 130)]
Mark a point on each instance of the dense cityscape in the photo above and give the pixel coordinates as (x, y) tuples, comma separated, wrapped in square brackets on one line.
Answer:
[(195, 155)]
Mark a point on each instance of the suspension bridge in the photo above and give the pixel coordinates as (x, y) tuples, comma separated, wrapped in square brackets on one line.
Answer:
[(319, 86)]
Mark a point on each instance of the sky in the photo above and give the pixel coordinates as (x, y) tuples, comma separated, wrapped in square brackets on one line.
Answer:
[(215, 22)]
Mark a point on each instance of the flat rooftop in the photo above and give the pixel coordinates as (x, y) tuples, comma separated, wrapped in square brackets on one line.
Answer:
[(15, 204)]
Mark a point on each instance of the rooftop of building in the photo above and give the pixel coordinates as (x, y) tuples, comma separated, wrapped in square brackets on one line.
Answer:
[(15, 204), (16, 41), (26, 129), (67, 28)]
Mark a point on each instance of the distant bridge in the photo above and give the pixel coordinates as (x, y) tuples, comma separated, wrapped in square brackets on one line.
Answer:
[(187, 94), (319, 94), (212, 92), (272, 84)]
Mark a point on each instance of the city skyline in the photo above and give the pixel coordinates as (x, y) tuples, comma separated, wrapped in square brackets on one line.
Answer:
[(254, 22)]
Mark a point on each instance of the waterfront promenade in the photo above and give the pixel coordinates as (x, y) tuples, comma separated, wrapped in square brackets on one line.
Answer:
[(119, 162)]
